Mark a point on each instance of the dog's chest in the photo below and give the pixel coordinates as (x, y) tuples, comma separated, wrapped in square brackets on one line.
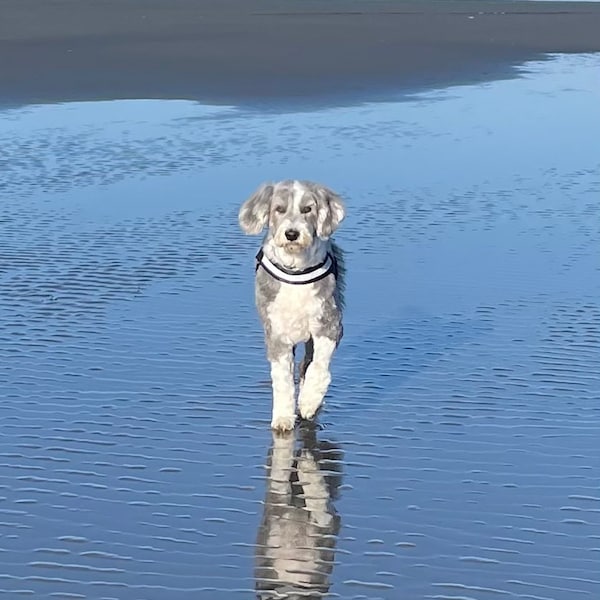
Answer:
[(294, 311)]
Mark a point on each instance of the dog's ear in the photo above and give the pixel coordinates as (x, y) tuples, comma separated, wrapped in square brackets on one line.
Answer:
[(330, 210), (254, 213)]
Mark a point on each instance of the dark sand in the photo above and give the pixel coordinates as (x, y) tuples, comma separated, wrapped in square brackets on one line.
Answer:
[(252, 50)]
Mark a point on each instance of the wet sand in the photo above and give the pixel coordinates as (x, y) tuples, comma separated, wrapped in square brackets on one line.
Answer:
[(457, 455), (233, 51)]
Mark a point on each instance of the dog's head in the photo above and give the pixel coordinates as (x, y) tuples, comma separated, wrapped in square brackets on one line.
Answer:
[(296, 213)]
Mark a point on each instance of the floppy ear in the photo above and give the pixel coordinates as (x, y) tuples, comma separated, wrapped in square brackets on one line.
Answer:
[(254, 212), (330, 211)]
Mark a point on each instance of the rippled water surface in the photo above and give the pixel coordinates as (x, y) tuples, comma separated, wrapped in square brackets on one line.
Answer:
[(458, 456)]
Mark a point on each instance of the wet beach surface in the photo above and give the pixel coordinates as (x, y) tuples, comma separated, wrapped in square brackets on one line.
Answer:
[(261, 51), (457, 456)]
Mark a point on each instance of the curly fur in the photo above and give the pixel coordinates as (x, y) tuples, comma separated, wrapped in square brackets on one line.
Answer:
[(300, 217)]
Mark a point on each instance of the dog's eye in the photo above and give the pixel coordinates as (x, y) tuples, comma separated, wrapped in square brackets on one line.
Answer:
[(306, 209), (279, 209)]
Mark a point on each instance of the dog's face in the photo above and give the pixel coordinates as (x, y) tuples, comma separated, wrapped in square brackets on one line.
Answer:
[(293, 217), (296, 212)]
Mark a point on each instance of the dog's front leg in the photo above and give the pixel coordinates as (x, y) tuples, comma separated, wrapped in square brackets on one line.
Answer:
[(317, 377), (282, 377)]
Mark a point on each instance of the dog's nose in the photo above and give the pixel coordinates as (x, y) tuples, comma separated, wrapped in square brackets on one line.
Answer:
[(292, 234)]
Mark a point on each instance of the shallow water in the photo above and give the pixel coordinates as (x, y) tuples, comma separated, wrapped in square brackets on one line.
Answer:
[(458, 454)]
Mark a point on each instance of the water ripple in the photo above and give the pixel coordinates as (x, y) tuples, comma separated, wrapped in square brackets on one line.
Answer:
[(457, 456)]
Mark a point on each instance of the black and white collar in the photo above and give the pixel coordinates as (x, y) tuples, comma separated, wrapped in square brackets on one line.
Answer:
[(295, 277)]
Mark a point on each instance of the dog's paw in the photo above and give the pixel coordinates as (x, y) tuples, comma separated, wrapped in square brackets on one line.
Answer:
[(283, 423), (308, 411)]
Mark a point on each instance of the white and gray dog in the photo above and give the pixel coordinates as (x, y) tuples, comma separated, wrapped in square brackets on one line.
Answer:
[(299, 285)]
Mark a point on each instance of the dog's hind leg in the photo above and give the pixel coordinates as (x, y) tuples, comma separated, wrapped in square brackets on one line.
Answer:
[(317, 377), (309, 349)]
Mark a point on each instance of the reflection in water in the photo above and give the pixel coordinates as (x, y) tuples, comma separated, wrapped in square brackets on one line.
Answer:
[(298, 533)]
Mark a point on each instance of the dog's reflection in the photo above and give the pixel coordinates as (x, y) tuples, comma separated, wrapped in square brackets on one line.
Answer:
[(298, 533)]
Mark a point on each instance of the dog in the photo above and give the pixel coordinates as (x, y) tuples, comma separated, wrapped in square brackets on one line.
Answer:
[(299, 289), (297, 536)]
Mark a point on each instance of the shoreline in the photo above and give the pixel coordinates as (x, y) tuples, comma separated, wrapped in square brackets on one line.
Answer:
[(274, 51)]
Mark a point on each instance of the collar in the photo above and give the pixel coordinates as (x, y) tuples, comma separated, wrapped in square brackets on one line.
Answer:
[(295, 277)]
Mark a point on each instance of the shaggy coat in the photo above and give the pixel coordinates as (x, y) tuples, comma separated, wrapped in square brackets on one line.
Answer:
[(299, 288)]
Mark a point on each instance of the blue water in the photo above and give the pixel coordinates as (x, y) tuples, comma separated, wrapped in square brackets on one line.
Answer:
[(457, 456)]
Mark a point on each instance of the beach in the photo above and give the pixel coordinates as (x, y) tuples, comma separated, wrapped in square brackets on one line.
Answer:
[(456, 455), (227, 51)]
